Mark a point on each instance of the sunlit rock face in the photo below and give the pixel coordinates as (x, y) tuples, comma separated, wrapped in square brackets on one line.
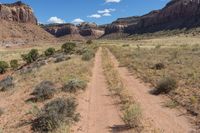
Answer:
[(17, 12)]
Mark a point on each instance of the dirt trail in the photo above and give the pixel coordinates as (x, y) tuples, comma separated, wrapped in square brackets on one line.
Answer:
[(165, 119), (97, 108)]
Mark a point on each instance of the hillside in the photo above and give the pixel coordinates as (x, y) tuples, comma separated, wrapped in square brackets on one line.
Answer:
[(18, 25), (177, 14)]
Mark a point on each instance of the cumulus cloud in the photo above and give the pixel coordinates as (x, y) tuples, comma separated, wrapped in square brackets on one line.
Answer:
[(112, 1), (56, 20), (106, 11), (77, 21), (106, 14), (95, 16)]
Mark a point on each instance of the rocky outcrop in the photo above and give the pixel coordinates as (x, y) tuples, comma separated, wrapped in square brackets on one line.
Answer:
[(114, 28), (127, 21), (87, 30), (17, 12), (59, 30), (120, 24), (18, 26), (90, 30)]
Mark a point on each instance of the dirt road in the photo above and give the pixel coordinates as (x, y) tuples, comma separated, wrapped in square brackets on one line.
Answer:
[(165, 119), (97, 108)]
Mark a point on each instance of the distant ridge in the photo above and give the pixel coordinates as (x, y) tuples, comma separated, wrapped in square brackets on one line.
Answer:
[(177, 14)]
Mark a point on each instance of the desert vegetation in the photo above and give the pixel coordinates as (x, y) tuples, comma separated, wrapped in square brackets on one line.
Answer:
[(131, 111), (54, 114), (46, 87), (3, 67), (74, 85), (171, 69)]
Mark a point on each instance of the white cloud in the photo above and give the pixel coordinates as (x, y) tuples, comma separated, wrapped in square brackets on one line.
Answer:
[(77, 21), (112, 1), (106, 14), (95, 16), (56, 20), (106, 11)]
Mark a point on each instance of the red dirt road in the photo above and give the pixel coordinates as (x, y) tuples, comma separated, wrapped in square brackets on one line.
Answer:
[(97, 108)]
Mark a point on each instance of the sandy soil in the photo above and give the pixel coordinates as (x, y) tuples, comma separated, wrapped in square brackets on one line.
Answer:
[(97, 108), (165, 119)]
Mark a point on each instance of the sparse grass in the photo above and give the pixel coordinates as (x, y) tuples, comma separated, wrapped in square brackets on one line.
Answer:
[(178, 55), (58, 73), (132, 115), (171, 104), (131, 111), (8, 54), (74, 85)]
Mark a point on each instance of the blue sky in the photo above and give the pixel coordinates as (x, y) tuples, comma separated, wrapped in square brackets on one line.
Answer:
[(98, 11)]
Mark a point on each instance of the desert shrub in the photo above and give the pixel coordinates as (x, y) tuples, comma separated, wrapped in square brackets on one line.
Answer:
[(14, 64), (88, 55), (74, 85), (45, 90), (125, 45), (89, 42), (31, 56), (165, 85), (61, 58), (3, 67), (159, 66), (54, 114), (49, 51), (132, 115), (68, 47), (6, 83), (157, 46)]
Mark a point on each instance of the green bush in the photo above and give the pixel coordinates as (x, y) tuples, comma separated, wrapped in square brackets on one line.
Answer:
[(68, 47), (14, 64), (31, 56), (3, 67), (50, 51), (74, 85), (132, 116), (165, 85), (54, 114), (88, 55), (89, 42)]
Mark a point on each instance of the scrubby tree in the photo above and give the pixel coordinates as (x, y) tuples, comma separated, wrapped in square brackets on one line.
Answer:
[(68, 47), (14, 64), (49, 51), (3, 67), (31, 56)]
